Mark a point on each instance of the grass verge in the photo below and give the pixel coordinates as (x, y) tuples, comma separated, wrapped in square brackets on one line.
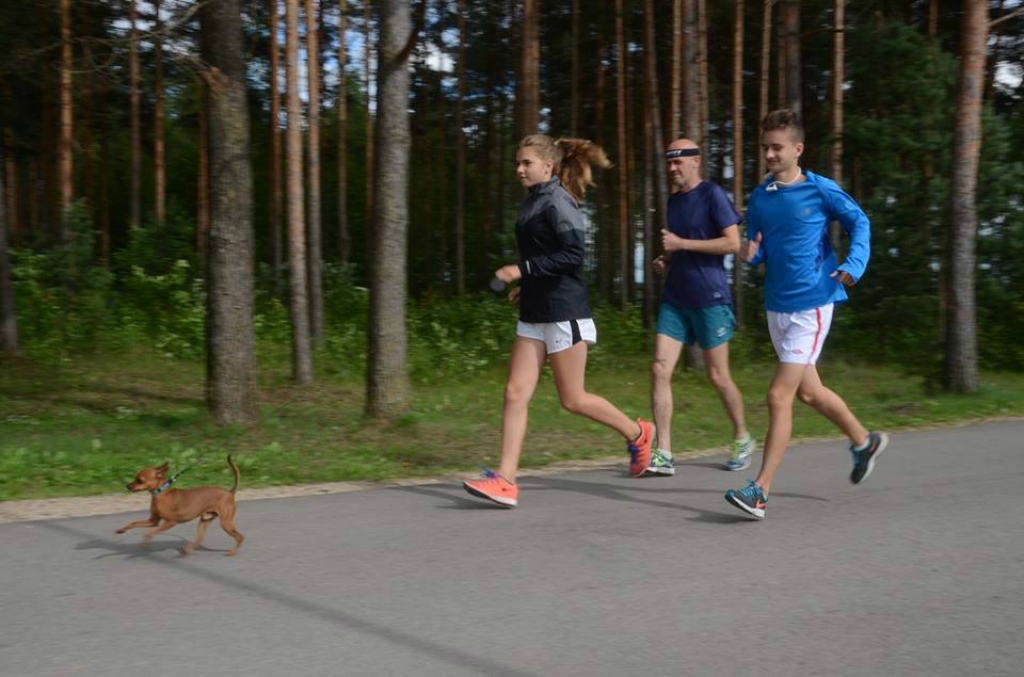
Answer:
[(85, 426)]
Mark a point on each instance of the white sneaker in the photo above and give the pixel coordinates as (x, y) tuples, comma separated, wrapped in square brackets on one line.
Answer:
[(742, 451), (661, 463)]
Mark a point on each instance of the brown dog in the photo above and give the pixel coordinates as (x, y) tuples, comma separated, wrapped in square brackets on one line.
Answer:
[(171, 507)]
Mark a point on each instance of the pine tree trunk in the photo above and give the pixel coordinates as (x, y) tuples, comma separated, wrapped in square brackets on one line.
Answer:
[(442, 181), (276, 201), (838, 77), (738, 267), (203, 179), (231, 336), (634, 191), (529, 107), (676, 84), (460, 157), (766, 55), (780, 55), (344, 235), (696, 131), (622, 161), (387, 380), (302, 360), (703, 86), (605, 231), (367, 55), (574, 101), (794, 80), (656, 163), (961, 327), (135, 199), (314, 255), (66, 119), (159, 173), (105, 235), (33, 194), (11, 192), (650, 210), (691, 99), (9, 341)]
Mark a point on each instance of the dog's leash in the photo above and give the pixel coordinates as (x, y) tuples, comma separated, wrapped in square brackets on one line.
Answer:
[(174, 478)]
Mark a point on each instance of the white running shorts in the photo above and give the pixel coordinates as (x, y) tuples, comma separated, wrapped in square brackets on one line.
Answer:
[(559, 336), (798, 337)]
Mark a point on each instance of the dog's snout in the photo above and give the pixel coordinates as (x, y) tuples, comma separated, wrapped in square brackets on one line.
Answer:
[(128, 486)]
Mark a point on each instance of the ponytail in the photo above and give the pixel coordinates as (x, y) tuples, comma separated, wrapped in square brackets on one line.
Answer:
[(572, 158), (575, 170)]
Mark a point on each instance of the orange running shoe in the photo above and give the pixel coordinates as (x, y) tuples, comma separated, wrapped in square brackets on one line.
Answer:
[(640, 449), (495, 488)]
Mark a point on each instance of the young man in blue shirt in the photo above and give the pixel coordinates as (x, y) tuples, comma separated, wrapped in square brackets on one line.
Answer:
[(696, 306), (787, 229)]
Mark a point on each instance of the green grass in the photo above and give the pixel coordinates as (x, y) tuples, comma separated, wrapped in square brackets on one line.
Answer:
[(85, 426)]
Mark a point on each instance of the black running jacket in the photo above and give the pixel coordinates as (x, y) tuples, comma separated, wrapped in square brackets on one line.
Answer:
[(549, 232)]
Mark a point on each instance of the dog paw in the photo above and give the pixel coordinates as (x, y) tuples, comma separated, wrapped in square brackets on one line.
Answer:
[(120, 531)]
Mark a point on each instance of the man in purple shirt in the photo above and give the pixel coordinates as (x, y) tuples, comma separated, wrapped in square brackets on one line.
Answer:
[(696, 306)]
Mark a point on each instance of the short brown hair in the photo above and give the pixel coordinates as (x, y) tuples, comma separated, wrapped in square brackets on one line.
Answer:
[(784, 119)]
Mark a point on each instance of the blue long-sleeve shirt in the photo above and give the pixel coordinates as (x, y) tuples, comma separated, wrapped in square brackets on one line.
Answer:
[(795, 248)]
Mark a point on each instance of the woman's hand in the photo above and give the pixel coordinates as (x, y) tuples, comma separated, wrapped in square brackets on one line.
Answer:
[(509, 274)]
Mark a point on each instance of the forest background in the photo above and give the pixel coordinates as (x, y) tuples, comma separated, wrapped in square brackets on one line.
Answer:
[(268, 227)]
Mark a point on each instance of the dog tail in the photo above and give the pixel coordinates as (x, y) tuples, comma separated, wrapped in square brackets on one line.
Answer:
[(238, 476)]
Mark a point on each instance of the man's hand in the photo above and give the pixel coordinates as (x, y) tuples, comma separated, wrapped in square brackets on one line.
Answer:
[(750, 248), (844, 278), (661, 264), (513, 296), (671, 242)]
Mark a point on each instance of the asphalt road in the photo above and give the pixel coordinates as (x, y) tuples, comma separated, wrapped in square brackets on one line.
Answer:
[(919, 571)]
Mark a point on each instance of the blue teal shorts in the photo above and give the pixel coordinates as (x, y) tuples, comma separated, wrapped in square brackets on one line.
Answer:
[(707, 327)]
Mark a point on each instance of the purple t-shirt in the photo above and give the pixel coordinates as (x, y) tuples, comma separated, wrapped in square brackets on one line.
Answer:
[(698, 280)]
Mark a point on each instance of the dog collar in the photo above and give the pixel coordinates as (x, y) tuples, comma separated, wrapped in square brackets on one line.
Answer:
[(164, 487)]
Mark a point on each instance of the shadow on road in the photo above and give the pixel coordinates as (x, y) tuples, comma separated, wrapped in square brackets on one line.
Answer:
[(645, 493), (482, 665)]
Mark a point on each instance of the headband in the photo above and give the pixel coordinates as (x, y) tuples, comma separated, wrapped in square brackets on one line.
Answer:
[(682, 152)]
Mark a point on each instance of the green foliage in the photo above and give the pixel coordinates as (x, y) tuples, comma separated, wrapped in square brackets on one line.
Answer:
[(898, 138), (69, 303), (1000, 250), (619, 332), (170, 307), (346, 309), (459, 336), (65, 301), (158, 248)]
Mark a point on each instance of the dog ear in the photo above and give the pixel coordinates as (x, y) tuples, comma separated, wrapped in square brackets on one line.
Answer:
[(162, 470)]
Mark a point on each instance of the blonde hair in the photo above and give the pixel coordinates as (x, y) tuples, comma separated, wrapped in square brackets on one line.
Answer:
[(572, 158)]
